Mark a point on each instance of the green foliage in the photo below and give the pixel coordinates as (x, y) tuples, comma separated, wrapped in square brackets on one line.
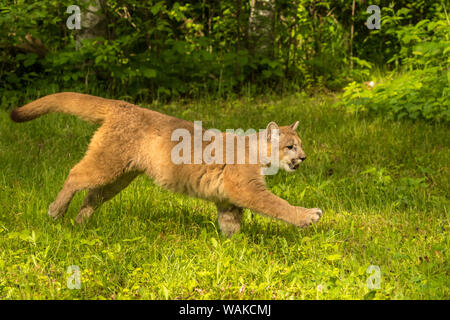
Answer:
[(420, 87), (416, 94), (167, 49)]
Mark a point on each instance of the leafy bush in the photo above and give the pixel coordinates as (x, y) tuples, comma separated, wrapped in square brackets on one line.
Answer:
[(153, 49), (420, 89), (416, 94), (166, 49)]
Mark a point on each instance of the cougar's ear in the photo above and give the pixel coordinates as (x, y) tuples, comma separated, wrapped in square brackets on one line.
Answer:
[(271, 126), (294, 126)]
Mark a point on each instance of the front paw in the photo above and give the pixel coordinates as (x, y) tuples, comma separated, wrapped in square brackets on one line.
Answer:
[(305, 217), (55, 211)]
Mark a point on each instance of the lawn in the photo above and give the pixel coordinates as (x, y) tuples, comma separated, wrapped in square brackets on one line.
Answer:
[(382, 184)]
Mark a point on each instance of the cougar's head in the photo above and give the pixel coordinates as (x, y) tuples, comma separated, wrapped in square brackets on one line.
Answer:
[(290, 152)]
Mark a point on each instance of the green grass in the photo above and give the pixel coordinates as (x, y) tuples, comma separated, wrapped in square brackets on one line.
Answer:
[(383, 186)]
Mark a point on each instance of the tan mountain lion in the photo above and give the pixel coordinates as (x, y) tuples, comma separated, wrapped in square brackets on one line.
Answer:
[(133, 140)]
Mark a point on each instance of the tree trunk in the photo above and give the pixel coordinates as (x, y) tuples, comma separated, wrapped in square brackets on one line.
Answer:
[(352, 31), (93, 22), (261, 27)]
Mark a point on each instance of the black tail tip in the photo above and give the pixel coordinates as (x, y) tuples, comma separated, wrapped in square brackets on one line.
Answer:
[(15, 116)]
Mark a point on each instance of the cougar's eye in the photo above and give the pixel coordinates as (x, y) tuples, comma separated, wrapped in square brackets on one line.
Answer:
[(290, 147)]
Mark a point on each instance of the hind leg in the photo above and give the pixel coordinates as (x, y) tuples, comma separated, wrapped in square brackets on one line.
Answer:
[(97, 196), (229, 218), (89, 173)]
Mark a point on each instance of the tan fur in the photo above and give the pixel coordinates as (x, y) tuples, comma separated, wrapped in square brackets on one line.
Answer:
[(134, 140)]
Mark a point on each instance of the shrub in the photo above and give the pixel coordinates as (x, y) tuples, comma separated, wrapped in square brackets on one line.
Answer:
[(420, 89)]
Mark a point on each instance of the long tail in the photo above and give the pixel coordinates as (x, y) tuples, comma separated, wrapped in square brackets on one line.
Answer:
[(87, 107)]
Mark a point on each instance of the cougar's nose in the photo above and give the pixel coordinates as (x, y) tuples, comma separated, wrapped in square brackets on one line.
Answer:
[(303, 158)]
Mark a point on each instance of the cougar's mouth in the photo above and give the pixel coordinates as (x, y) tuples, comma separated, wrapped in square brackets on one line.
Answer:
[(294, 166)]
